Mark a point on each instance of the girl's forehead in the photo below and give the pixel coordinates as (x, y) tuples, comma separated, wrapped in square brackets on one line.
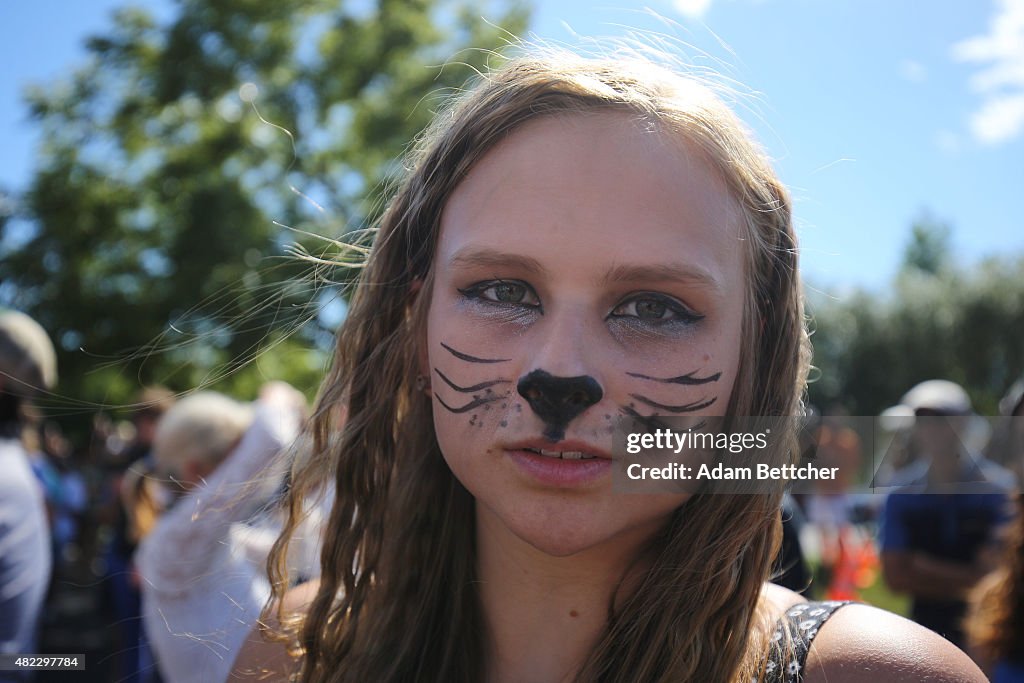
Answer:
[(602, 185)]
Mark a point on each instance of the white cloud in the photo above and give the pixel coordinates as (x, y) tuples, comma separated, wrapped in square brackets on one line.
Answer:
[(692, 8), (912, 71), (1000, 119), (1000, 81)]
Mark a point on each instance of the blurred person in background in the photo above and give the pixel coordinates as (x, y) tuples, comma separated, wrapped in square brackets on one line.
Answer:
[(1007, 444), (894, 447), (139, 491), (940, 527), (836, 445), (28, 365), (203, 564), (995, 623), (150, 406), (63, 488), (136, 504)]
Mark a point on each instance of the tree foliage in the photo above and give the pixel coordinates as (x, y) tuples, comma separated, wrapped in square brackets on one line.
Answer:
[(928, 249), (150, 222), (935, 321)]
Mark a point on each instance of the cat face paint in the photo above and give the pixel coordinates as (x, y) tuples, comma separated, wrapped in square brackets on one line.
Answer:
[(558, 400), (586, 269), (689, 379), (486, 388)]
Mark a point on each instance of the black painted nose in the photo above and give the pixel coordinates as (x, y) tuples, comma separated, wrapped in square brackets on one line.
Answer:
[(557, 400)]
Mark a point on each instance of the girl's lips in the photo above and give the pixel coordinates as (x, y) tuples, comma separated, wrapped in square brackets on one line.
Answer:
[(573, 447), (560, 472)]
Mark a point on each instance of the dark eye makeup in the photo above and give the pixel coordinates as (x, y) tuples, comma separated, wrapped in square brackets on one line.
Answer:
[(652, 307), (503, 292), (649, 308)]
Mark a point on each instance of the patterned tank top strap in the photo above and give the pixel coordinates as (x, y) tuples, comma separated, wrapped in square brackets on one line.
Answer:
[(786, 664)]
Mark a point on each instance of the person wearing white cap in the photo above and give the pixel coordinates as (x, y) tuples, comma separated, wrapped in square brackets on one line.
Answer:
[(203, 564), (1006, 446), (27, 365), (939, 527)]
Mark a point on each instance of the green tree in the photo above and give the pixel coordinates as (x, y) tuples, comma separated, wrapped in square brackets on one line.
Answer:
[(934, 321), (149, 242), (928, 249)]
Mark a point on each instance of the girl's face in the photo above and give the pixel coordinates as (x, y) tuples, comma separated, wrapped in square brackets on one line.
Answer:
[(587, 270)]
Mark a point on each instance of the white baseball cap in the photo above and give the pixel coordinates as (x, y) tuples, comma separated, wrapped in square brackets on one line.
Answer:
[(28, 363), (939, 395)]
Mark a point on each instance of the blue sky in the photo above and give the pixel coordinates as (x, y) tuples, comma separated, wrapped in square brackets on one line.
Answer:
[(874, 111)]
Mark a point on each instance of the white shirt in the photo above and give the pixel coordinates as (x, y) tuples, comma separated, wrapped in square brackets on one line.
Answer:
[(25, 560), (203, 566)]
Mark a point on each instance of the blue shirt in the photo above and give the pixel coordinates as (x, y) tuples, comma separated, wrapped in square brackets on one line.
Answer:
[(1008, 672), (954, 527)]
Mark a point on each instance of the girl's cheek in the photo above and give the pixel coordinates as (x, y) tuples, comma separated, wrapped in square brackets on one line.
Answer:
[(491, 411), (473, 381)]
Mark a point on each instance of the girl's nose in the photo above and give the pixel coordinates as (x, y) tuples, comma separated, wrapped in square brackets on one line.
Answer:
[(558, 400)]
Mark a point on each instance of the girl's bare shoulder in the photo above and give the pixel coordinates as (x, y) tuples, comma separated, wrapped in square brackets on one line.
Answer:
[(862, 644), (267, 660)]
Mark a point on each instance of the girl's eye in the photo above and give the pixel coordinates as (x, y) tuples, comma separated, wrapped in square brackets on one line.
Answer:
[(650, 309), (507, 292), (503, 292), (655, 308)]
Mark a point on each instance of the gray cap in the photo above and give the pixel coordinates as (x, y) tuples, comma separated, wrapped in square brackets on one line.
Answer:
[(28, 363)]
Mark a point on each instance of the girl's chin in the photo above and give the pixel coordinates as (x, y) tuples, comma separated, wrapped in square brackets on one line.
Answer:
[(572, 536), (561, 545)]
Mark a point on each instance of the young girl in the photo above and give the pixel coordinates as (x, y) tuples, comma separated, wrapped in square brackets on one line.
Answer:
[(576, 241)]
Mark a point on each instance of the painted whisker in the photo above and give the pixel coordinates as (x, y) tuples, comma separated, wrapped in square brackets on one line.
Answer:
[(685, 408), (471, 405), (470, 389), (472, 359), (688, 379)]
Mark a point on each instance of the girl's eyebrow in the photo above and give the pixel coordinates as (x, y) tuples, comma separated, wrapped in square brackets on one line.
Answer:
[(683, 273), (493, 257)]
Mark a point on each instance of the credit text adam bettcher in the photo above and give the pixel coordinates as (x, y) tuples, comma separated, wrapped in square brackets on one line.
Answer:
[(663, 440)]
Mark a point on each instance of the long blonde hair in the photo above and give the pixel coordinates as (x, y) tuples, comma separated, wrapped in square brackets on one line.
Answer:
[(396, 600)]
